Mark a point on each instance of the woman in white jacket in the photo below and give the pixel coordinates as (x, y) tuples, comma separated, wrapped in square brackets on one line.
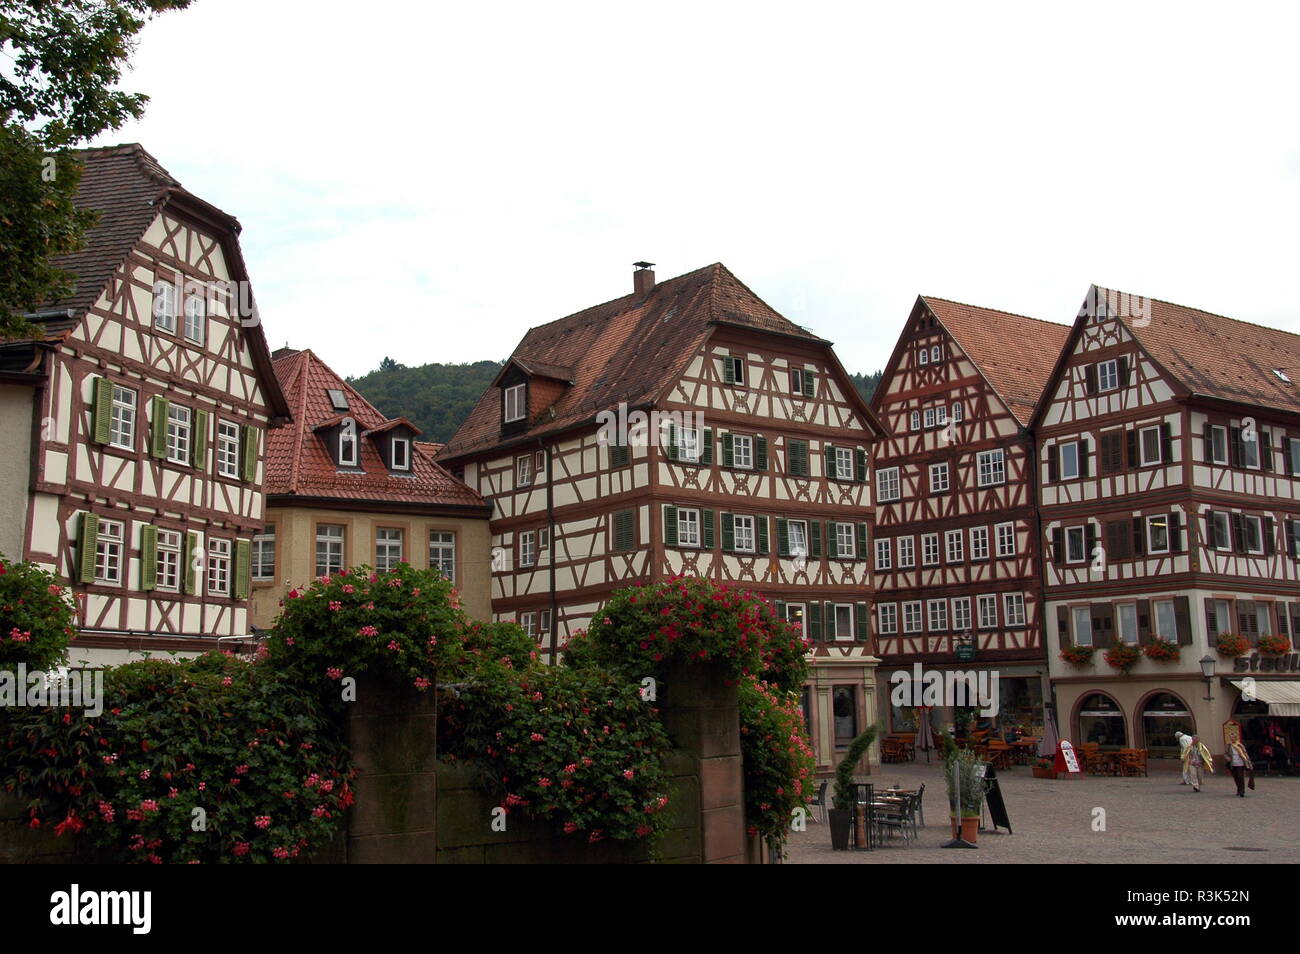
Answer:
[(1184, 740)]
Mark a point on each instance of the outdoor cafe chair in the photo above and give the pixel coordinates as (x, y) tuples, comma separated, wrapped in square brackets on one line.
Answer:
[(820, 802), (897, 816)]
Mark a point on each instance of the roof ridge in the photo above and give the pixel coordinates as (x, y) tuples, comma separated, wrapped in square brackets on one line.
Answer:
[(1202, 311), (580, 311), (300, 418), (1000, 311)]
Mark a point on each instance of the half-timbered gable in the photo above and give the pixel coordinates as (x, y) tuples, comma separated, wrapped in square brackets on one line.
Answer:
[(1168, 484), (955, 556), (687, 428), (154, 402)]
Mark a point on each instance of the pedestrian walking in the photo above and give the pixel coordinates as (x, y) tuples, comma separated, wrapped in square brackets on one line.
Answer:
[(1184, 740), (1195, 758), (1240, 766)]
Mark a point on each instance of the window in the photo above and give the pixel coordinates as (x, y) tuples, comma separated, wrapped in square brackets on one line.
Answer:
[(744, 531), (992, 467), (939, 477), (800, 382), (955, 544), (988, 608), (1219, 445), (515, 404), (845, 546), (958, 412), (108, 553), (442, 553), (798, 531), (912, 616), (1219, 617), (401, 453), (195, 318), (348, 448), (887, 484), (906, 552), (925, 356), (228, 449), (624, 530), (528, 623), (1292, 452), (168, 567), (218, 567), (178, 434), (795, 614), (916, 420), (938, 610), (524, 470), (543, 539), (742, 451), (843, 620), (338, 399), (941, 415), (844, 705), (688, 528), (388, 549), (688, 444), (1081, 619), (844, 463), (1149, 440), (979, 543), (961, 614), (1166, 620), (1069, 460), (1108, 375), (1220, 535), (797, 457), (1127, 621), (329, 550), (164, 306), (121, 428), (934, 354), (528, 548), (1252, 532), (929, 418), (887, 615), (733, 370), (264, 555), (1013, 608), (1076, 545), (884, 555), (1006, 539), (929, 549), (1158, 534), (1250, 450)]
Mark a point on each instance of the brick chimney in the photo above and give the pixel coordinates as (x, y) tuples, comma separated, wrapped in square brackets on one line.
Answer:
[(643, 279)]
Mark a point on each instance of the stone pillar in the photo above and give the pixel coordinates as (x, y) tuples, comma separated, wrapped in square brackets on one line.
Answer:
[(393, 733), (702, 717)]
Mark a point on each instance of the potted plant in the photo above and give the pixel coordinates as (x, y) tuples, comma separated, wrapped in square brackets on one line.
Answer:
[(1274, 645), (1045, 768), (1122, 656), (1161, 650), (961, 771), (1232, 644), (1078, 655), (841, 812)]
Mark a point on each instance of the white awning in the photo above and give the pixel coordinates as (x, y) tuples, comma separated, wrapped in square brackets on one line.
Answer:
[(1282, 695)]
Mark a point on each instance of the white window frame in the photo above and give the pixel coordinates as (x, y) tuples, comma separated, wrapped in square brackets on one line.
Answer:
[(1081, 625), (524, 471), (958, 412), (1221, 519), (936, 354), (1164, 620), (836, 610), (1013, 609), (887, 618), (844, 463), (846, 545), (442, 552), (180, 433), (912, 620), (1143, 459), (987, 608), (109, 552), (888, 485), (798, 528), (219, 550), (263, 555), (796, 614), (1257, 523), (688, 527), (401, 453), (961, 614), (121, 428), (165, 316), (196, 319), (1108, 375), (528, 623), (1073, 456), (930, 549), (925, 355), (954, 546), (744, 524), (333, 551), (992, 467), (227, 449), (743, 461), (915, 420), (979, 543), (515, 406), (1152, 523), (1126, 622), (737, 369), (1219, 439), (1250, 448), (1006, 539), (929, 418), (1077, 535), (688, 444), (388, 540), (884, 554), (167, 571), (906, 552), (528, 548), (349, 446), (939, 481), (937, 613)]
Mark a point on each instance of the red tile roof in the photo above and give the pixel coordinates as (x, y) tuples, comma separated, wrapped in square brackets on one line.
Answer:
[(298, 461), (1213, 356), (1015, 354), (629, 349)]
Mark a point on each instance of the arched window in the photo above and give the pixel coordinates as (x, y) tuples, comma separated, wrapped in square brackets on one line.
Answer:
[(1163, 715), (1101, 720)]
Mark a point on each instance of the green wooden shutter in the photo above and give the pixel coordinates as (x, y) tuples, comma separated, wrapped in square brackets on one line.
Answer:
[(199, 441), (778, 608), (672, 442), (831, 472), (728, 370), (102, 409), (158, 427), (191, 556), (728, 531), (800, 452), (832, 540), (249, 456), (148, 557), (862, 541), (782, 537), (618, 455), (728, 451), (670, 525), (814, 538), (706, 531), (706, 451), (861, 464), (760, 453), (87, 539), (807, 382), (863, 627), (243, 568), (760, 522), (815, 620)]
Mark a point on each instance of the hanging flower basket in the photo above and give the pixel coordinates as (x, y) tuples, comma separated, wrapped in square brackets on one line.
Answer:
[(1162, 650), (1122, 656), (1078, 655), (1232, 644), (1274, 645)]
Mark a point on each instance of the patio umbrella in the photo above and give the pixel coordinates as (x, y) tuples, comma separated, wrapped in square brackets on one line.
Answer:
[(925, 740), (1047, 744)]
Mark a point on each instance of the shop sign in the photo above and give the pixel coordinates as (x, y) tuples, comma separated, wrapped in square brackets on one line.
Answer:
[(1257, 663)]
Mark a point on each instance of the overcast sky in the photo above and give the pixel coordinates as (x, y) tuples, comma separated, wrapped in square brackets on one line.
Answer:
[(427, 180)]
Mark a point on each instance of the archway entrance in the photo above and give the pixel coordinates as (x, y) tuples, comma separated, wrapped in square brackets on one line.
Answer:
[(1101, 720), (1163, 715)]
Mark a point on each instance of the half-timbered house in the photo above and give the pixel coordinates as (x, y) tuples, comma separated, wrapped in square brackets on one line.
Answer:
[(955, 557), (151, 391), (1169, 466), (761, 476), (346, 485)]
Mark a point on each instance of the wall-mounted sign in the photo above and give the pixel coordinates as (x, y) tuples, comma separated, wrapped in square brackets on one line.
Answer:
[(1257, 663)]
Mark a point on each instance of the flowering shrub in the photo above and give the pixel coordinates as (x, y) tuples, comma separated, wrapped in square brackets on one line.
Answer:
[(36, 616), (1122, 656), (1274, 645), (215, 734), (778, 759), (1162, 650), (1078, 655), (1232, 644)]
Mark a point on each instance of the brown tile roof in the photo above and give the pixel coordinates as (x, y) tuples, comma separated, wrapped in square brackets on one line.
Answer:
[(629, 349), (1016, 354), (298, 461), (1213, 356)]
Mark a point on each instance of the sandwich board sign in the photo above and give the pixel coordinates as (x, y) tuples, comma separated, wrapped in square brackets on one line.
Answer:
[(1066, 758)]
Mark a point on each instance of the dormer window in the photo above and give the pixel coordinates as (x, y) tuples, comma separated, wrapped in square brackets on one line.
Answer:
[(338, 400), (516, 403), (348, 445), (401, 453)]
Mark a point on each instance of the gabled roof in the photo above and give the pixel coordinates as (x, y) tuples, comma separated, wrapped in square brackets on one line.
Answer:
[(629, 350), (298, 462), (128, 188)]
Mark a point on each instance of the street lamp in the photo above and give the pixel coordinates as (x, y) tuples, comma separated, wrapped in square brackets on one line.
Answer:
[(1207, 670)]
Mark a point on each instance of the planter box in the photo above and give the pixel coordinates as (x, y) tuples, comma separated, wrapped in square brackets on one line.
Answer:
[(841, 822)]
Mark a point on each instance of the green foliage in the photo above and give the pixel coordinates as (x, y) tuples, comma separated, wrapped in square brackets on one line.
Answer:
[(867, 384), (778, 758), (261, 760), (436, 398), (37, 613), (842, 796), (963, 765)]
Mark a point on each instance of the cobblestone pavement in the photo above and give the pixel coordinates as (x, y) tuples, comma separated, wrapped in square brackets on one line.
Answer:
[(1147, 820)]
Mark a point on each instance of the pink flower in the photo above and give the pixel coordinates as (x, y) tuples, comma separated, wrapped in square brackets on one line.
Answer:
[(334, 672), (570, 827), (628, 773), (241, 769), (293, 595), (226, 681), (241, 848), (335, 606), (544, 782), (349, 588), (367, 630), (421, 683), (144, 774), (394, 645), (536, 737), (262, 821)]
